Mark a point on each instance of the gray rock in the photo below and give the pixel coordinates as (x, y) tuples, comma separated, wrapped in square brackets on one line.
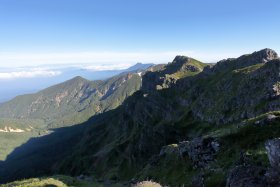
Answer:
[(200, 151), (273, 152), (246, 176)]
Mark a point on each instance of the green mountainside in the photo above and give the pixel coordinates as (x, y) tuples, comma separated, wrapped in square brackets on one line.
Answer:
[(190, 124), (69, 103), (73, 101)]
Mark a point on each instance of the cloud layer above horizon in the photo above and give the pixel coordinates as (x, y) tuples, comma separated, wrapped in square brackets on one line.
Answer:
[(32, 73), (99, 58)]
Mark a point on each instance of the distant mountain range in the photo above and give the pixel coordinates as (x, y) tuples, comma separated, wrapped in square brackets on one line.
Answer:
[(189, 124), (19, 81), (65, 104)]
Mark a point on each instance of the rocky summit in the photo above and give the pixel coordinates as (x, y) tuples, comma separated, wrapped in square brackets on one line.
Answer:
[(189, 124)]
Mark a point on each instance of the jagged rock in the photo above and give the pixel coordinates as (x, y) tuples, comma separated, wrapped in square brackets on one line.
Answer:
[(273, 152), (257, 57), (171, 73), (202, 151), (246, 176)]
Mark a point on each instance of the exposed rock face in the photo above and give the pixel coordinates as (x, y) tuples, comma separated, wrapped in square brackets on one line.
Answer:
[(200, 151), (257, 57), (169, 74), (242, 92), (273, 152), (249, 175), (246, 176)]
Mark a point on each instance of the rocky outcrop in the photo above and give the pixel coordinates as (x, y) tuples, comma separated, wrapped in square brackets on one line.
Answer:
[(239, 90), (257, 57), (169, 74), (246, 176), (256, 176), (273, 152), (200, 151)]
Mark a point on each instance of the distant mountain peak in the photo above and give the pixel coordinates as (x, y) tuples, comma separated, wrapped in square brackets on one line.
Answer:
[(139, 66), (257, 57), (265, 55), (180, 58), (78, 78), (184, 63)]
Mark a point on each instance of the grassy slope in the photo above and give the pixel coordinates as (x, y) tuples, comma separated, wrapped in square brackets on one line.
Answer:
[(71, 110), (249, 138), (146, 125)]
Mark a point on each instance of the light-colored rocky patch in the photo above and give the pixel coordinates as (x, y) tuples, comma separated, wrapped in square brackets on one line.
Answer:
[(10, 129)]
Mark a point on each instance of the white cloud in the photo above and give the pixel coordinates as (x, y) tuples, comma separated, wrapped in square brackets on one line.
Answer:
[(104, 67), (28, 74), (97, 58)]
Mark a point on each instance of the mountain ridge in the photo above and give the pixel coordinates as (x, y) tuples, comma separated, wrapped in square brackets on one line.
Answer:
[(200, 125)]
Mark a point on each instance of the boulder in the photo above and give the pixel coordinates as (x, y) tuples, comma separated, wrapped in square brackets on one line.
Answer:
[(202, 151), (273, 152)]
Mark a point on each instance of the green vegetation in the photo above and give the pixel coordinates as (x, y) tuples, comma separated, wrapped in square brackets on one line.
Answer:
[(231, 103), (65, 104)]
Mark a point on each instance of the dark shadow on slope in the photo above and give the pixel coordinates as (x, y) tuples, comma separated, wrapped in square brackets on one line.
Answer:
[(36, 157)]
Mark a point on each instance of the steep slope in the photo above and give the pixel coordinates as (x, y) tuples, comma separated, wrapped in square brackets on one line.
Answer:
[(119, 146), (237, 89), (73, 101), (190, 122), (69, 103)]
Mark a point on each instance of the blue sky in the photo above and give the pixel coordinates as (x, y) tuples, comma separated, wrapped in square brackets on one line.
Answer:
[(34, 32)]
